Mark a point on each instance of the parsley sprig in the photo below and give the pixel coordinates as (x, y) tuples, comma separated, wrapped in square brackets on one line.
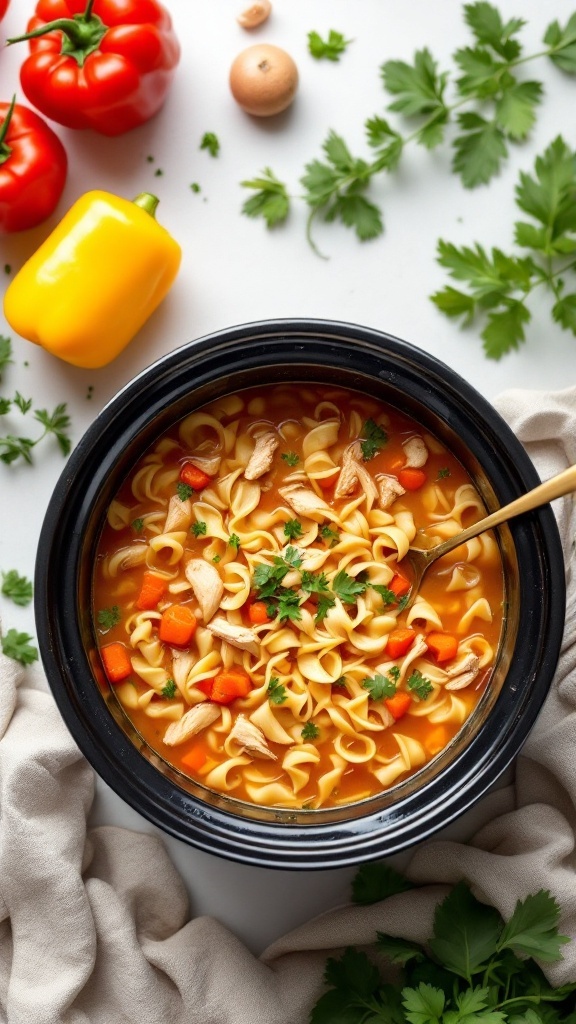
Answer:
[(330, 48), (267, 581), (497, 283), (490, 107), (57, 423), (475, 969), (18, 588), (17, 646), (276, 691), (374, 437)]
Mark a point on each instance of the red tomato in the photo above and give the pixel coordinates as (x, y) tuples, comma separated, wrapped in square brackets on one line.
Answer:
[(3, 8), (33, 167), (121, 68)]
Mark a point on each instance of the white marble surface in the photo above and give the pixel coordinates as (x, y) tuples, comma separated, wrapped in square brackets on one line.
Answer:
[(233, 271)]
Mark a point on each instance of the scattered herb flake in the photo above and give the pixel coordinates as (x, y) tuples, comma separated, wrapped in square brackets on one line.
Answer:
[(5, 353), (109, 617), (329, 49), (17, 645), (137, 525), (169, 690), (199, 528), (184, 491), (158, 172), (341, 681), (394, 673), (216, 558), (293, 529), (374, 437), (329, 534), (379, 687), (347, 588), (443, 473), (276, 692), (24, 404), (325, 603), (210, 142), (270, 200), (310, 731), (18, 588), (195, 187), (419, 685), (291, 458), (234, 541), (7, 268)]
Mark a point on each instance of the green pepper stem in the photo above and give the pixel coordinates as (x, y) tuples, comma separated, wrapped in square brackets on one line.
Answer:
[(146, 201), (82, 33), (5, 149)]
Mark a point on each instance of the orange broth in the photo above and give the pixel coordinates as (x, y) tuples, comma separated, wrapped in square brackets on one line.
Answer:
[(470, 577)]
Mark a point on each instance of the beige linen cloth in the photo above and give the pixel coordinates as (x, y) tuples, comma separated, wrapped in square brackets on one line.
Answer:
[(95, 928)]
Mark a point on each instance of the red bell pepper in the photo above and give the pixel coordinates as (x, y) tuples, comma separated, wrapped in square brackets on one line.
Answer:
[(3, 8), (105, 65), (33, 167)]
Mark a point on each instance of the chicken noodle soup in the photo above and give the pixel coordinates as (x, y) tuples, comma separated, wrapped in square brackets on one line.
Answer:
[(250, 603)]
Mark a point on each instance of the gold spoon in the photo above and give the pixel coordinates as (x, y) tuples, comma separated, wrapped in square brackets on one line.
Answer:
[(420, 560)]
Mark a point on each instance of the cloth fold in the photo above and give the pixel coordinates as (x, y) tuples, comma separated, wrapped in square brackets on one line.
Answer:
[(95, 925)]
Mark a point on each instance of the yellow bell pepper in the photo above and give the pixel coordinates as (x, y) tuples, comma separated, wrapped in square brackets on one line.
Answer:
[(96, 279)]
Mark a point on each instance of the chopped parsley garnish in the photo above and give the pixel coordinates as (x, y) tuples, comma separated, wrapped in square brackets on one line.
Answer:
[(184, 491), (276, 692), (24, 404), (195, 187), (137, 525), (267, 581), (374, 438), (17, 588), (216, 558), (341, 681), (288, 606), (387, 595), (17, 646), (310, 731), (328, 534), (210, 142), (314, 583), (379, 687), (5, 353), (325, 603), (109, 617), (420, 685), (443, 473), (347, 588), (199, 528), (328, 49), (169, 690), (403, 602), (293, 529), (234, 541), (291, 458), (394, 673)]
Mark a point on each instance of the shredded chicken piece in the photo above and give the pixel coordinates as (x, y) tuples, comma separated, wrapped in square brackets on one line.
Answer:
[(348, 479), (179, 515), (389, 488), (209, 464), (305, 502), (198, 718), (251, 738), (262, 456), (239, 636), (416, 452), (463, 674), (182, 662), (206, 584)]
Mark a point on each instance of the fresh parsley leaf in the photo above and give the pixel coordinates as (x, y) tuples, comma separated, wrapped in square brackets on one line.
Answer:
[(374, 437), (516, 109), (397, 950), (480, 149), (288, 606), (310, 731), (138, 525), (418, 86), (217, 558), (420, 685), (329, 534), (487, 25), (314, 583), (184, 491), (291, 458), (17, 645), (466, 932), (199, 528), (379, 687), (548, 197), (386, 141), (377, 881), (17, 588), (210, 142), (533, 929), (57, 423), (347, 588), (325, 603), (5, 353), (331, 48), (423, 1005), (276, 692), (443, 473), (270, 201), (170, 689), (293, 529), (562, 43), (5, 404), (394, 673), (109, 617), (388, 596), (234, 541), (13, 448), (333, 189), (24, 404)]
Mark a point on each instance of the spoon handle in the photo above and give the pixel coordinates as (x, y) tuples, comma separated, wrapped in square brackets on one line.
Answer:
[(557, 486)]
